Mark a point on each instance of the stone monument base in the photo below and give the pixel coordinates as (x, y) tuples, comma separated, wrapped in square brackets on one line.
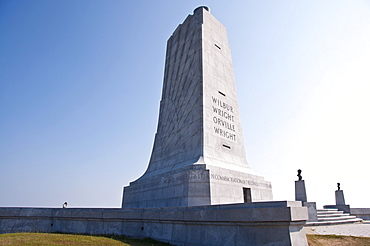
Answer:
[(340, 204), (196, 185), (261, 223)]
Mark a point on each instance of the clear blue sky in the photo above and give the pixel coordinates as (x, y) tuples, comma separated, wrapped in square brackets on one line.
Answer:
[(80, 85)]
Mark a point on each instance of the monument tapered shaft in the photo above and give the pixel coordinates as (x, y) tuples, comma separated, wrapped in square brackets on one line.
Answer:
[(198, 156)]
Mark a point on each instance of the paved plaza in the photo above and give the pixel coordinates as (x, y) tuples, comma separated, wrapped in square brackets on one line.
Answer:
[(358, 229)]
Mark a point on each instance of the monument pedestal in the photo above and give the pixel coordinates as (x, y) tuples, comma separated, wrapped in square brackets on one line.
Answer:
[(198, 184), (339, 197), (300, 191), (300, 195), (340, 203)]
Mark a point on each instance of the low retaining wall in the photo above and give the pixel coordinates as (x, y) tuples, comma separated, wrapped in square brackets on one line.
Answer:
[(260, 223), (363, 213)]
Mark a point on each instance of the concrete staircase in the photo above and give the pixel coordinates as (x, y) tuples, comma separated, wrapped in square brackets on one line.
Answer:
[(333, 217)]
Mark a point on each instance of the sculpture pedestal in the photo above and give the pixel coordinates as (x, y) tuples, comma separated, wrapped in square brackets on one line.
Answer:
[(339, 197), (300, 191), (340, 204)]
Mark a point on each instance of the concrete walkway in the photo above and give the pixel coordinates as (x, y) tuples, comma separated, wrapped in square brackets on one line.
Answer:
[(357, 230)]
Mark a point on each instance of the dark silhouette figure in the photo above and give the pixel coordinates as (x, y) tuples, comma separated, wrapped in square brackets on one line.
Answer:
[(299, 174), (338, 185), (65, 205)]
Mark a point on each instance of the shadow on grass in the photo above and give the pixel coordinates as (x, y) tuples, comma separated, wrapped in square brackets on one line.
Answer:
[(136, 242)]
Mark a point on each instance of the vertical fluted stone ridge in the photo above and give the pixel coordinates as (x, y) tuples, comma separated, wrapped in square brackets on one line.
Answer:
[(178, 141)]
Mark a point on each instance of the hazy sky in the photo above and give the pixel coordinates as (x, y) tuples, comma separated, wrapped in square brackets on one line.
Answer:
[(80, 85)]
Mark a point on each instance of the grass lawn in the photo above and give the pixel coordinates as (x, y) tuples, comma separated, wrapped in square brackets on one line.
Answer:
[(333, 240), (71, 239)]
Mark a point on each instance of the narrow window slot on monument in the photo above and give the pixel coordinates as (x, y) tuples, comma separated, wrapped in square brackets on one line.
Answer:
[(222, 93), (226, 146), (217, 46)]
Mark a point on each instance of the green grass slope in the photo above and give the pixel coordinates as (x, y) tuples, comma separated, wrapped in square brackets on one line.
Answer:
[(30, 239)]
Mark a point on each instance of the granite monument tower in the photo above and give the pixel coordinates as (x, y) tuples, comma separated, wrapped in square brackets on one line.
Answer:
[(198, 156)]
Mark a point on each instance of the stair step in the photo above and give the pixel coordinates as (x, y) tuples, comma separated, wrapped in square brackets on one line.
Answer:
[(347, 221), (329, 212), (336, 218), (328, 209), (331, 215)]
